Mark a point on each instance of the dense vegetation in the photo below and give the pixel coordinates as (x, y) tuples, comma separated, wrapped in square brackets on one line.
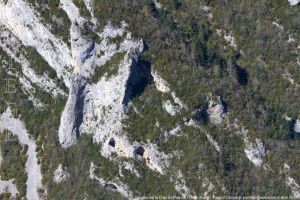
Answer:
[(54, 17), (184, 47), (108, 69), (13, 161)]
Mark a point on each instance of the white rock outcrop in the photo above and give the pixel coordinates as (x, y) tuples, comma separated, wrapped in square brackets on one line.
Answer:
[(181, 187), (27, 77), (106, 95), (16, 127), (130, 167), (103, 102), (279, 26), (60, 174), (19, 18), (157, 4), (255, 152), (175, 131), (294, 2), (113, 185), (216, 111), (160, 83), (1, 158), (231, 40), (297, 126), (213, 142), (97, 108), (68, 129), (209, 186), (291, 182), (171, 108), (8, 187), (295, 187)]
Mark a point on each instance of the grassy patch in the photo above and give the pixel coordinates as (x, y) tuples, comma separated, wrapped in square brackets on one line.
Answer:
[(13, 161)]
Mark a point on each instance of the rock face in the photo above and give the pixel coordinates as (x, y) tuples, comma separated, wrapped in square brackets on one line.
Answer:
[(291, 182), (115, 92), (295, 187), (160, 83), (116, 185), (16, 126), (94, 108), (60, 175), (297, 126), (255, 151), (294, 2), (231, 40), (171, 108), (101, 67), (99, 108), (181, 187), (140, 77), (8, 187), (216, 111), (19, 18), (72, 116), (213, 111)]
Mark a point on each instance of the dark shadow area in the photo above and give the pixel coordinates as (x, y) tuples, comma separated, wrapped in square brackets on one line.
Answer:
[(139, 151), (242, 76), (177, 5), (225, 106), (110, 186), (201, 114), (146, 46), (291, 132), (140, 77), (79, 108), (229, 166), (112, 142), (241, 73), (153, 10), (88, 52)]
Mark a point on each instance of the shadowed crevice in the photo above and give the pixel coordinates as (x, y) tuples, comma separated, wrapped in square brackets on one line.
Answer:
[(79, 108), (140, 77)]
